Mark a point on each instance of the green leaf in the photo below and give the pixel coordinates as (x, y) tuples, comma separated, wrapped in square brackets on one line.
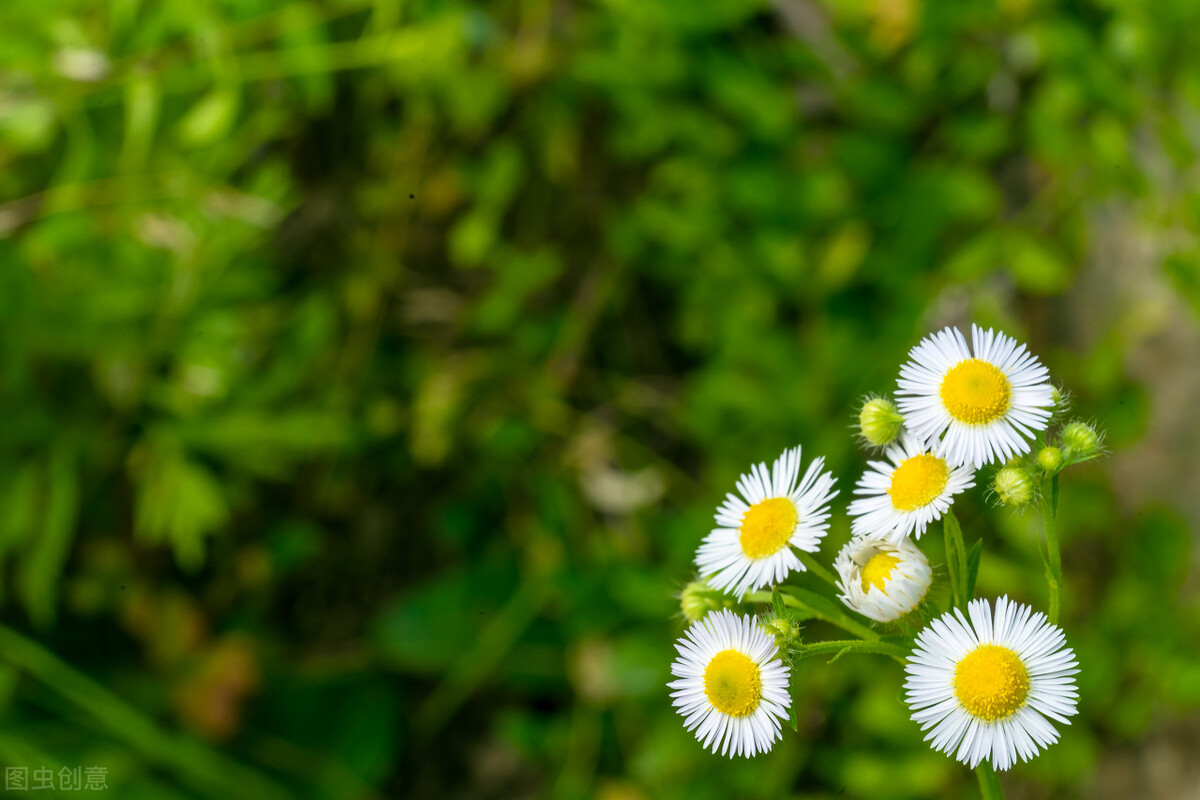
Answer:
[(209, 772), (956, 559), (1034, 265), (973, 567), (143, 101), (42, 567), (777, 602), (179, 501), (264, 443), (210, 118)]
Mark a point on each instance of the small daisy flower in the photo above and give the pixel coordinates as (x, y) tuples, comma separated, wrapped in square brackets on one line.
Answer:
[(985, 687), (881, 579), (988, 399), (732, 688), (900, 497), (777, 510)]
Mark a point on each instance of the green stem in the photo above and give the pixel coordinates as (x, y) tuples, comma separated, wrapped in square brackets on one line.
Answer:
[(818, 569), (989, 782), (1053, 553), (819, 607), (766, 597), (850, 646)]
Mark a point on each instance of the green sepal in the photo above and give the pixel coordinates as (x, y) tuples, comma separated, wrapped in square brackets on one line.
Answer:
[(777, 602)]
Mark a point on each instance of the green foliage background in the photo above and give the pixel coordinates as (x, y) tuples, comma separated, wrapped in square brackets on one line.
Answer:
[(371, 370)]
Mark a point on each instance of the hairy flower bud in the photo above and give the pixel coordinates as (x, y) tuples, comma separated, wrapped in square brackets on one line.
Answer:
[(697, 599), (784, 630), (880, 421), (1013, 486), (1081, 440), (1050, 459)]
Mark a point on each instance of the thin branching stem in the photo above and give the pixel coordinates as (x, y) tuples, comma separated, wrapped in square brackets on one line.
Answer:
[(818, 569), (806, 649)]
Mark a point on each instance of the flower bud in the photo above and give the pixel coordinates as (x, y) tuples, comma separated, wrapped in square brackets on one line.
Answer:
[(1060, 403), (1013, 486), (1081, 439), (697, 599), (1050, 459), (880, 421), (784, 630)]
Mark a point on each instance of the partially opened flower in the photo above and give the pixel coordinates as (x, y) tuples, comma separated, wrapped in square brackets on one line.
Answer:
[(899, 497), (988, 687), (881, 579), (777, 510), (732, 688), (988, 400)]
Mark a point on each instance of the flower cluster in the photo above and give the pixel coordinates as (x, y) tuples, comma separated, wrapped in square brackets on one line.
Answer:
[(986, 682)]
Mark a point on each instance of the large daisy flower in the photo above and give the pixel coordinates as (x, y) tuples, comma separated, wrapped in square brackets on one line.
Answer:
[(881, 579), (984, 687), (732, 687), (988, 399), (899, 497), (777, 510)]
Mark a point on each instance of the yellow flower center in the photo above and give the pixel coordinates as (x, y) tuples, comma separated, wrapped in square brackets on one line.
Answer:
[(917, 481), (732, 683), (975, 392), (767, 526), (877, 571), (991, 682)]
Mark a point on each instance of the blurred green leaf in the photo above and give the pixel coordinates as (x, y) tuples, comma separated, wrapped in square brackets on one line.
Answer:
[(42, 566), (179, 502), (210, 118)]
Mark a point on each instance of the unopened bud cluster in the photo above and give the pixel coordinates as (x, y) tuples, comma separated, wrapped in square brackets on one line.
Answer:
[(1016, 483), (1077, 441), (785, 631)]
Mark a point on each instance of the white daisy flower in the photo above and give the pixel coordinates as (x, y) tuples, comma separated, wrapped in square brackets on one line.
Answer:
[(899, 497), (752, 547), (985, 687), (881, 579), (732, 688), (988, 399)]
